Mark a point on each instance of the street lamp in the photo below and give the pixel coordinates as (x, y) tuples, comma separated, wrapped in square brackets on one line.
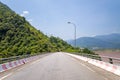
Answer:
[(74, 32)]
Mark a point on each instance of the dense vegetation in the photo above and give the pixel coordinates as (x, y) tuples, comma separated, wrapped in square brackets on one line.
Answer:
[(18, 37)]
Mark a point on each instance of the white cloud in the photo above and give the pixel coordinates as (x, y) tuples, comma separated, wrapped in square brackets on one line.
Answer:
[(30, 20), (24, 13)]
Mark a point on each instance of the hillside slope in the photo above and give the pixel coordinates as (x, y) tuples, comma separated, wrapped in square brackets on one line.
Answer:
[(18, 37)]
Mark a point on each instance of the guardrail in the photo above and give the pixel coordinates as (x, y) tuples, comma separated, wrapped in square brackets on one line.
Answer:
[(14, 58), (11, 62), (101, 64), (9, 59), (111, 60)]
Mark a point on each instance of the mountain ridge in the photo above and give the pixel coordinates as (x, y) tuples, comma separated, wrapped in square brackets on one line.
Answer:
[(100, 41)]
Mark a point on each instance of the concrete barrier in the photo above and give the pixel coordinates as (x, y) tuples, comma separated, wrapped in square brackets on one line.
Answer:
[(106, 66), (13, 64)]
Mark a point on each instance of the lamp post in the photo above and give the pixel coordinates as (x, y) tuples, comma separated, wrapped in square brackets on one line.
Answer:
[(74, 32)]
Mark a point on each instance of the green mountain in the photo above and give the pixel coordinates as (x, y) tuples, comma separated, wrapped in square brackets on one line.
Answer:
[(18, 37)]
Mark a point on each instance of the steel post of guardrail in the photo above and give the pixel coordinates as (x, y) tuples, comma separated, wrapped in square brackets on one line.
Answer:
[(100, 58), (110, 60)]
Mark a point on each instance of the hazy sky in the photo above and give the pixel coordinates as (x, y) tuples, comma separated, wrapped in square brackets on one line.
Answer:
[(92, 17)]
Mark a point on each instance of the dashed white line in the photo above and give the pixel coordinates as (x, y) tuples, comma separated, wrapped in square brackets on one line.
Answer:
[(6, 76)]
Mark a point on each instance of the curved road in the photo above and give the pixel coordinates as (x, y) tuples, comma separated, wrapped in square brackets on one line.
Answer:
[(58, 66)]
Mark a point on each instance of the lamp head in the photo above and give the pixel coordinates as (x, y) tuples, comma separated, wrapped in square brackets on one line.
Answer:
[(69, 22)]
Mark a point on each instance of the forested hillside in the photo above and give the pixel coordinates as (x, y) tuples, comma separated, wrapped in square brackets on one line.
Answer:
[(18, 37)]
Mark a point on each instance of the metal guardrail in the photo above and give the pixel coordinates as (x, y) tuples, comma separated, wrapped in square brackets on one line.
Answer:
[(4, 60), (111, 60), (9, 59)]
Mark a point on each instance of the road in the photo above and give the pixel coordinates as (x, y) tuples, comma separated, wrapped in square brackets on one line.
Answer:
[(58, 66)]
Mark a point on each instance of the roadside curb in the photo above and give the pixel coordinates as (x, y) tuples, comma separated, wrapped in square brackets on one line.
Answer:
[(106, 66), (13, 64)]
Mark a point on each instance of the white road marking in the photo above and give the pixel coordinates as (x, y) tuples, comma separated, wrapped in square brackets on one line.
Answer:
[(87, 67), (35, 62), (20, 69), (29, 65), (2, 78), (6, 76), (90, 69)]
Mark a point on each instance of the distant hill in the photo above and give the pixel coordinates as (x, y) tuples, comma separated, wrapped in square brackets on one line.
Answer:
[(98, 42), (19, 37), (112, 38)]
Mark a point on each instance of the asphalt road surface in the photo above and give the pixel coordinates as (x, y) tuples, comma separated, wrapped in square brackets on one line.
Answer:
[(58, 66)]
